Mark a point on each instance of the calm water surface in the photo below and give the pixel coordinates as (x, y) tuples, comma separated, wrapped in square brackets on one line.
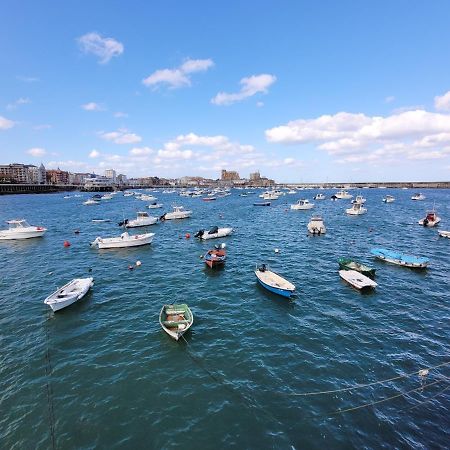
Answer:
[(102, 374)]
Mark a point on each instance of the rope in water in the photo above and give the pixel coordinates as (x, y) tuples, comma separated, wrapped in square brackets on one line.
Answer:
[(49, 389), (360, 386)]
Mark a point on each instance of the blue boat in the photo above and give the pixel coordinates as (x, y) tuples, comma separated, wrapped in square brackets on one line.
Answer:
[(400, 259), (274, 282)]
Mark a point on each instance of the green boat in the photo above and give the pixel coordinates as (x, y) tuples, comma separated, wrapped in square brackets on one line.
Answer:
[(348, 264)]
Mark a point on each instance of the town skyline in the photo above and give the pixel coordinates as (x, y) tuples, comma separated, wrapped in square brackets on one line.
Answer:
[(334, 94)]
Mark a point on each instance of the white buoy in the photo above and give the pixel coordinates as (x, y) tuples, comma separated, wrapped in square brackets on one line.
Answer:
[(277, 250), (138, 263)]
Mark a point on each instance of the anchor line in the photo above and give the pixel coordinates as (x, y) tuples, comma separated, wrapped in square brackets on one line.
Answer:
[(49, 388)]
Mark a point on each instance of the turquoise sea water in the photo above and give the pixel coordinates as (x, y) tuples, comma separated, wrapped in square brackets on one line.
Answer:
[(102, 374)]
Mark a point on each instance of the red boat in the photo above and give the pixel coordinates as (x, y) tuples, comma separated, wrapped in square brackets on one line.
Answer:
[(216, 257)]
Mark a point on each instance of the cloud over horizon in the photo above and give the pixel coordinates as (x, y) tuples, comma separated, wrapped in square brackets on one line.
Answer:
[(104, 48)]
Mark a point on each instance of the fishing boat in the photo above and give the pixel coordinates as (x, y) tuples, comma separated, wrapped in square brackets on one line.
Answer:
[(70, 293), (400, 259), (209, 199), (91, 202), (348, 264), (213, 233), (270, 196), (21, 229), (357, 279), (291, 192), (216, 256), (155, 205), (274, 282), (147, 198), (356, 209), (128, 194), (319, 196), (106, 197), (343, 195), (261, 204), (302, 205), (176, 319), (444, 234), (178, 213), (389, 199), (316, 226), (101, 220), (431, 219), (142, 220), (124, 240), (418, 196), (359, 199)]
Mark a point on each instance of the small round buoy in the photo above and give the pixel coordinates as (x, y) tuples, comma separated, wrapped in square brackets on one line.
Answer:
[(77, 231), (66, 244), (201, 256), (187, 235), (90, 269), (130, 267), (277, 250), (50, 273), (138, 263)]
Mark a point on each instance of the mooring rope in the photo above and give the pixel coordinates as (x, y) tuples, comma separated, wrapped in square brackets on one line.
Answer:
[(360, 386), (48, 373)]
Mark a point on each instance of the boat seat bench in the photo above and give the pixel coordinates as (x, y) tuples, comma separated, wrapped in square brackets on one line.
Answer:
[(175, 323)]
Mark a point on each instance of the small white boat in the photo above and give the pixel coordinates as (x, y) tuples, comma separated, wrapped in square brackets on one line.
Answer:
[(155, 206), (21, 229), (444, 234), (357, 279), (302, 204), (356, 209), (291, 192), (124, 240), (343, 195), (147, 198), (101, 220), (67, 196), (389, 199), (178, 213), (128, 194), (316, 226), (213, 233), (270, 196), (319, 196), (69, 294), (106, 197), (418, 196), (175, 320), (431, 219), (359, 199), (142, 220), (274, 282), (91, 202)]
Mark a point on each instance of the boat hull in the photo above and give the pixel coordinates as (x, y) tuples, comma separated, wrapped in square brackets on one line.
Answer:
[(70, 299), (141, 223), (400, 260), (133, 241), (7, 235), (222, 232), (357, 279), (444, 234), (284, 292), (175, 332)]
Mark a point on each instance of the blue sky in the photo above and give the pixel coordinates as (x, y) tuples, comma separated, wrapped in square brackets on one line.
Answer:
[(302, 91)]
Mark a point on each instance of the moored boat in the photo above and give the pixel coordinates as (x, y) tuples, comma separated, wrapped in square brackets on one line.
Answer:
[(357, 279), (274, 282), (261, 204), (176, 319), (400, 259), (21, 229), (178, 213), (418, 196), (359, 199), (356, 209), (431, 219), (319, 196), (214, 232), (91, 202), (348, 264), (216, 257), (343, 195), (155, 205), (69, 293), (302, 204), (142, 220), (124, 240), (389, 199), (444, 234), (316, 226)]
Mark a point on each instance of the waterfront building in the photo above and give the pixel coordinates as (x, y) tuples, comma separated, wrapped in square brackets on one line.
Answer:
[(111, 174), (255, 176), (229, 175), (15, 173), (57, 176), (97, 181), (37, 175), (122, 179), (79, 178)]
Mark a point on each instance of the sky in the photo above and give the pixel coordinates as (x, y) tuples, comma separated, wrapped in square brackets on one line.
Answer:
[(303, 91)]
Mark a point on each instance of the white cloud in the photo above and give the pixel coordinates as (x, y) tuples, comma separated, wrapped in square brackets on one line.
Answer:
[(94, 154), (119, 114), (178, 77), (141, 151), (122, 136), (5, 123), (389, 99), (92, 106), (27, 79), (259, 104), (249, 87), (103, 48), (414, 135), (442, 103), (37, 152), (18, 102)]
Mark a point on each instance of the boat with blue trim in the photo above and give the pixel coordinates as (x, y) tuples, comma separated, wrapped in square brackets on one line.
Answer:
[(274, 282), (400, 259)]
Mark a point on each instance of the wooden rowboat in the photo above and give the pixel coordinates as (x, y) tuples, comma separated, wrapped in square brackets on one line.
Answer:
[(176, 319)]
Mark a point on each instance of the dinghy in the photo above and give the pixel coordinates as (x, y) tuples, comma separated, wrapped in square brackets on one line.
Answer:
[(21, 229), (319, 196), (357, 279), (274, 282), (431, 219), (302, 204), (348, 264), (155, 205), (175, 320), (216, 257), (343, 195), (124, 240), (400, 259), (70, 293), (316, 226), (213, 233), (444, 234), (359, 199), (389, 199)]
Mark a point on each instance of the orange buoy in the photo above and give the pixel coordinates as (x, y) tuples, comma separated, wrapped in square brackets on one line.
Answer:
[(187, 236), (66, 244)]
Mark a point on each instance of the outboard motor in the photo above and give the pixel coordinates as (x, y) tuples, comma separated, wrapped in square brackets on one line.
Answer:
[(163, 217), (213, 230), (199, 233), (425, 222), (124, 222)]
